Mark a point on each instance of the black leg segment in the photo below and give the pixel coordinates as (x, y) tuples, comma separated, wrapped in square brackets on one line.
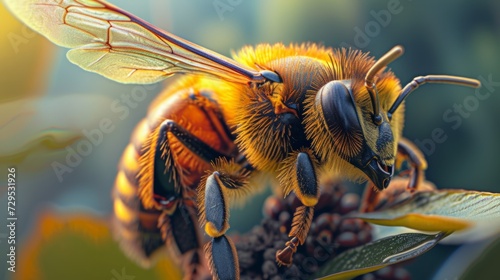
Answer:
[(306, 177), (223, 258), (216, 208), (184, 229)]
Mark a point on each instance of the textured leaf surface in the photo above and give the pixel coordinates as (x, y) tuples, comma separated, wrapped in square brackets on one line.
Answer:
[(443, 210), (378, 254)]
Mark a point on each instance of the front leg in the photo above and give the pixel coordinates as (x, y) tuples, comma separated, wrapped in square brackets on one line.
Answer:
[(299, 176), (407, 151)]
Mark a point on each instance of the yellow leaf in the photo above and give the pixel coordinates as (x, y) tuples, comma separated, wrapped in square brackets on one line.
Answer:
[(441, 210)]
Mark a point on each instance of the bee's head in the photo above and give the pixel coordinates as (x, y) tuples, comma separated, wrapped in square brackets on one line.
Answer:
[(370, 147), (357, 127)]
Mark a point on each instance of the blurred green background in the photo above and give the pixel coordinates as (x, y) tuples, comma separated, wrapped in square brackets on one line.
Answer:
[(44, 97)]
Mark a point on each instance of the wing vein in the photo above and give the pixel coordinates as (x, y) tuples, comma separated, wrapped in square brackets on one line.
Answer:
[(110, 41)]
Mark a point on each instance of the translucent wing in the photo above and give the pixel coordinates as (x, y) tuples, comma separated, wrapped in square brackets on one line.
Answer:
[(120, 46)]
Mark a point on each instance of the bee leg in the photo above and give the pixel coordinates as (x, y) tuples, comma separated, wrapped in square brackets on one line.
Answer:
[(214, 214), (371, 197), (161, 188), (181, 228), (305, 186), (160, 185), (300, 228), (409, 152), (195, 267)]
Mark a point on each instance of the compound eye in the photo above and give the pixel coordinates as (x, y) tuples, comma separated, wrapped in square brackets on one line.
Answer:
[(338, 108)]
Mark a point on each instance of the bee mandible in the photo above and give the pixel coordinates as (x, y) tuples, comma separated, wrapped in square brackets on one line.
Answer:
[(295, 114)]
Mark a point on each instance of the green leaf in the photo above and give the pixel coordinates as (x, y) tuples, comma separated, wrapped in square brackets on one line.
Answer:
[(378, 254), (441, 210)]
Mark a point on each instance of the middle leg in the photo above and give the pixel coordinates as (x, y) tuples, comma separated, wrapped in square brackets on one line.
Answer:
[(228, 181)]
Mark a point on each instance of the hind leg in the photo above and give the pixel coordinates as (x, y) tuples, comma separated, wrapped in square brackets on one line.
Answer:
[(161, 188), (181, 229)]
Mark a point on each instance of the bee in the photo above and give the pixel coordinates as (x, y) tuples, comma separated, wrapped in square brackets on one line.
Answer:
[(292, 115)]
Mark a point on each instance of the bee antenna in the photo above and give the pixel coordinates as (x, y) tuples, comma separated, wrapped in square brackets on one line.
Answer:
[(382, 62), (438, 79)]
